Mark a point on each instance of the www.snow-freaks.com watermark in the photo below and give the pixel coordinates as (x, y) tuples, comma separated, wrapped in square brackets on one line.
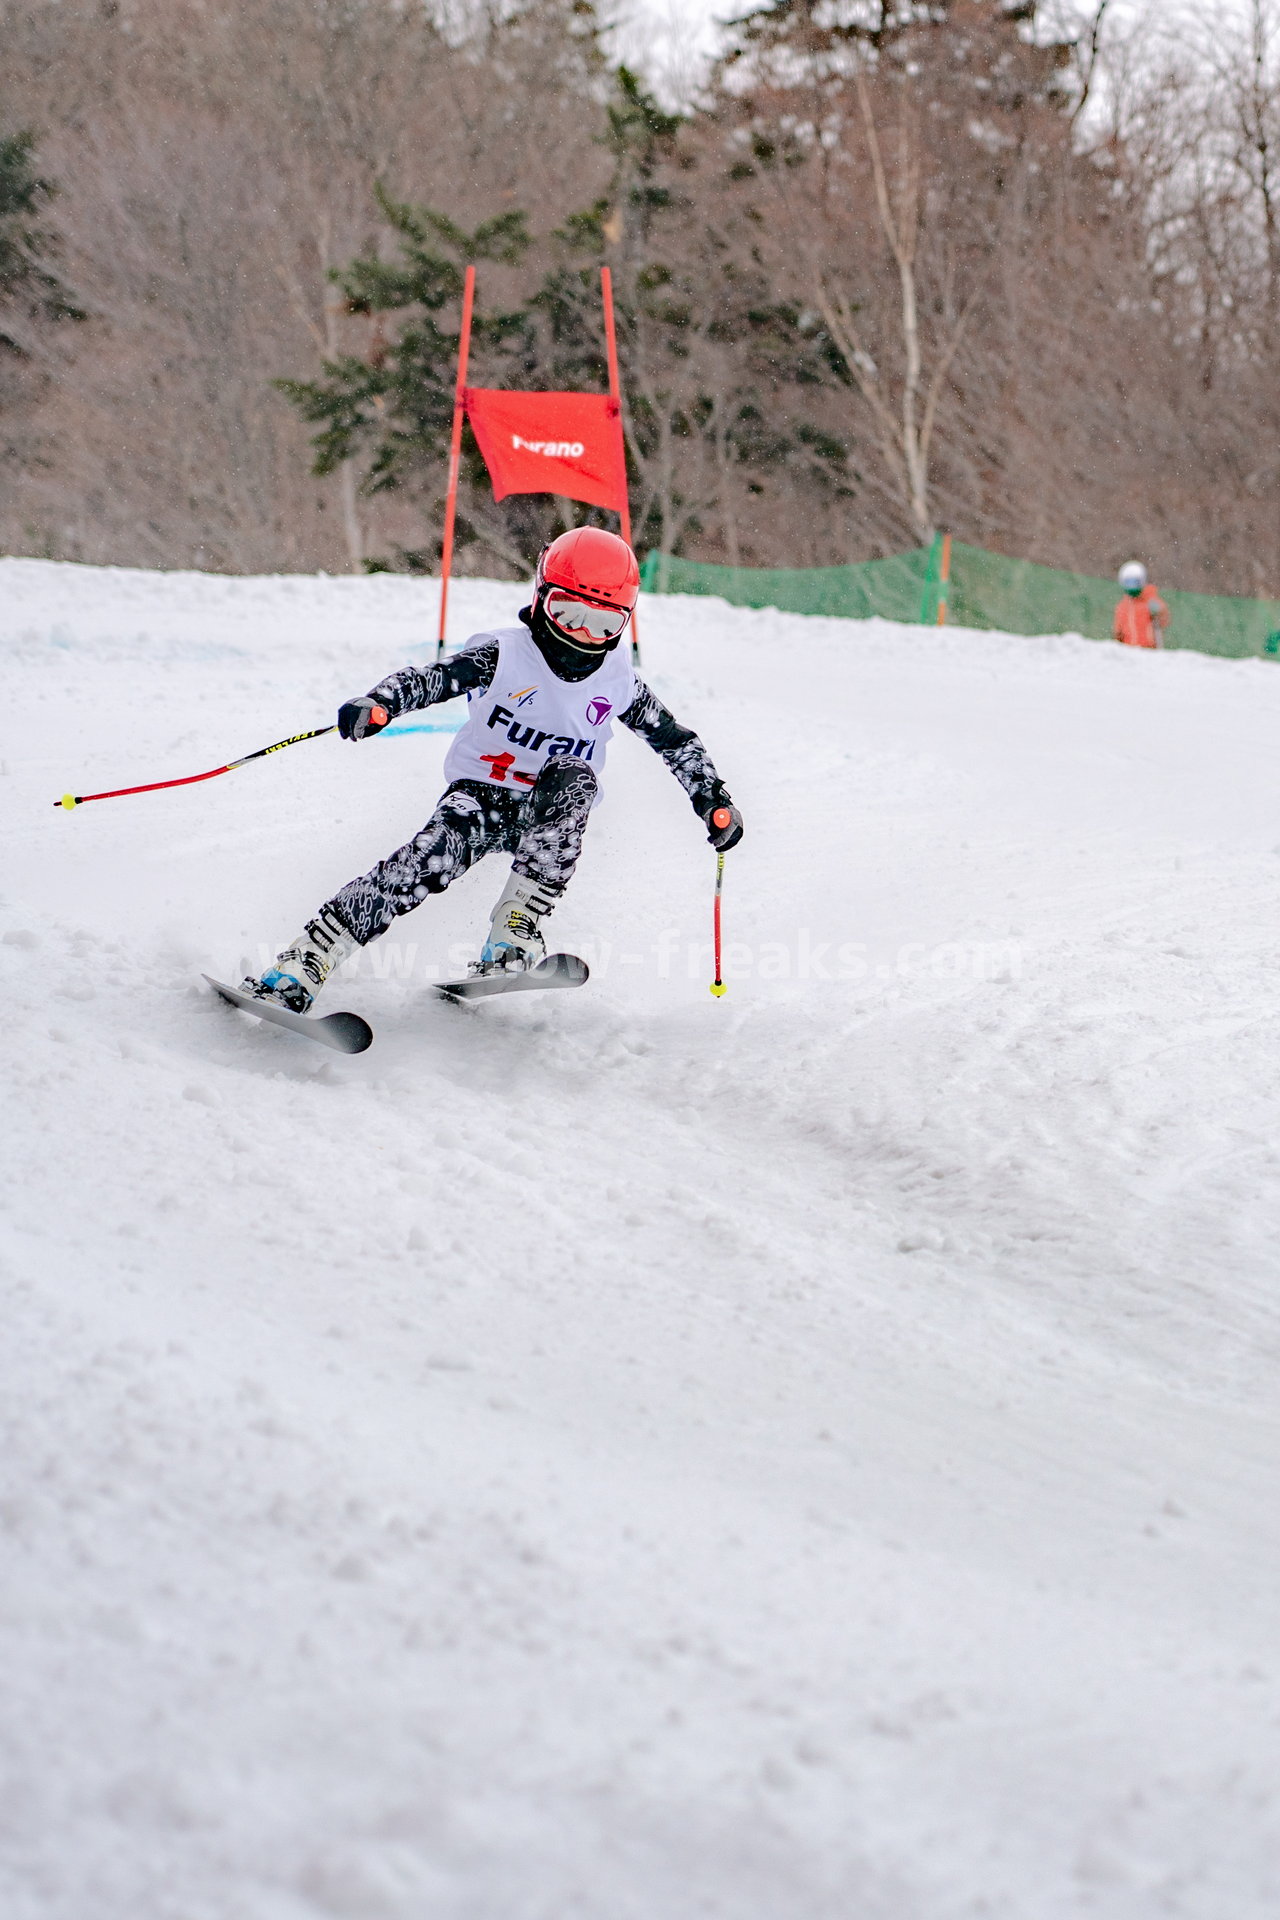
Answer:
[(672, 956)]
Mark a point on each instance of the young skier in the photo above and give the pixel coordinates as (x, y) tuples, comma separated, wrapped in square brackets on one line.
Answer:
[(524, 771)]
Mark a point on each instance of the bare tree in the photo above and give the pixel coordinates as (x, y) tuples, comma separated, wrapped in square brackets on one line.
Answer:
[(1248, 87), (219, 161), (892, 147), (905, 430)]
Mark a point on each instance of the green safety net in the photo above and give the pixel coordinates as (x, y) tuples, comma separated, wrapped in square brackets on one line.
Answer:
[(985, 590)]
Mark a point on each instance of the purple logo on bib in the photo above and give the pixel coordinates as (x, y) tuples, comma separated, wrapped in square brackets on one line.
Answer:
[(598, 711)]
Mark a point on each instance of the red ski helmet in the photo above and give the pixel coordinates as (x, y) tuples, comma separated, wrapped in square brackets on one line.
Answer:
[(586, 587), (597, 565)]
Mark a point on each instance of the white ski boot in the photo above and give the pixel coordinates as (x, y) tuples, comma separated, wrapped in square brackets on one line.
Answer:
[(298, 973), (515, 943)]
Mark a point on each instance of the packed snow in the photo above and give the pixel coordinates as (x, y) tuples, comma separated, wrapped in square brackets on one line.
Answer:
[(624, 1455)]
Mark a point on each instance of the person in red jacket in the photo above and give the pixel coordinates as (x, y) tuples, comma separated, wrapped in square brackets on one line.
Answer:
[(1141, 616)]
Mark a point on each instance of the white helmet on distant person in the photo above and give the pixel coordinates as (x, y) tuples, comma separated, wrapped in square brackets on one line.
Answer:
[(1133, 576)]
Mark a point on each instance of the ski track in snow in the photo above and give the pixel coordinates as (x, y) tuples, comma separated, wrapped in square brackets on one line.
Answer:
[(625, 1456)]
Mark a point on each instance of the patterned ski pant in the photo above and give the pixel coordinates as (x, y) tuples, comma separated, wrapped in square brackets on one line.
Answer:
[(543, 828)]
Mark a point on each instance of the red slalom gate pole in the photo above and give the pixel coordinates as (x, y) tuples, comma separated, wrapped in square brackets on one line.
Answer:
[(455, 451), (70, 800), (615, 394)]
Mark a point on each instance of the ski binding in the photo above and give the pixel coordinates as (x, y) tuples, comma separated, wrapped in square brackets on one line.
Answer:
[(557, 970)]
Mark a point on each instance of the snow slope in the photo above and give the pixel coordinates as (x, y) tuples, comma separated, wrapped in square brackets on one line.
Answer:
[(625, 1456)]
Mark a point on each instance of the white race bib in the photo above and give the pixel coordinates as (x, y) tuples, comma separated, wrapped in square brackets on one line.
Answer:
[(526, 716)]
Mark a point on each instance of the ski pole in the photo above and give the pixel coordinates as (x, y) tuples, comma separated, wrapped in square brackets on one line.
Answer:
[(720, 818), (70, 800)]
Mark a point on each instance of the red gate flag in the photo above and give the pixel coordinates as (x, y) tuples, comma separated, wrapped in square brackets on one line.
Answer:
[(568, 443)]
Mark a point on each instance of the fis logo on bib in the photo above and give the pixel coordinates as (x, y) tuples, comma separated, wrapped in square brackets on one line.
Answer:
[(523, 697), (598, 711)]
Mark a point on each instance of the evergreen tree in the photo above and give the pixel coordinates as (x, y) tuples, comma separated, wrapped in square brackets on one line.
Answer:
[(34, 301), (391, 409), (31, 293), (699, 340)]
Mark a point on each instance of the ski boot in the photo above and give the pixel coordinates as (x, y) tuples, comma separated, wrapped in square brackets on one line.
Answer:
[(297, 974), (515, 943)]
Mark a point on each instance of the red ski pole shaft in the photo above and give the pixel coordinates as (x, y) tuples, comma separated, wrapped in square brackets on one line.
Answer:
[(720, 818), (70, 800)]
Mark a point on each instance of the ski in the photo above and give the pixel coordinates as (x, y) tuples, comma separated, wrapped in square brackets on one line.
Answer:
[(345, 1032), (557, 970)]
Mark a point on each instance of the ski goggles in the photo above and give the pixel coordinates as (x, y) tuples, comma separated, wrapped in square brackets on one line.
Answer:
[(581, 618)]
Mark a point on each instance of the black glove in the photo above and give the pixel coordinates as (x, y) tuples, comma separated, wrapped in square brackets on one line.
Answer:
[(362, 716), (724, 825)]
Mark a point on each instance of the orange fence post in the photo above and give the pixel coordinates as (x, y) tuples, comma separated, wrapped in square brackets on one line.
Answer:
[(945, 578)]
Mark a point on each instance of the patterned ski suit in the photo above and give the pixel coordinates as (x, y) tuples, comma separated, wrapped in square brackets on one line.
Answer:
[(542, 825)]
